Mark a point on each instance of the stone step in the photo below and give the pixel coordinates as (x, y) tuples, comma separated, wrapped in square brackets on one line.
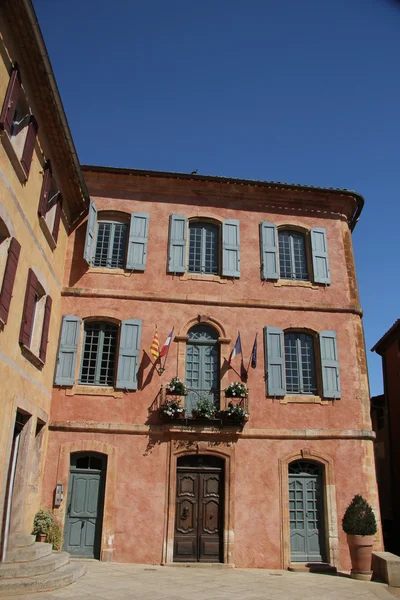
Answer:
[(42, 583), (312, 568), (41, 566), (27, 553), (20, 540)]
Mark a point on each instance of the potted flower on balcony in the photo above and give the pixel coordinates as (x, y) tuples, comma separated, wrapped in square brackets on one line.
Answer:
[(235, 414), (360, 525), (236, 389), (176, 387), (205, 409), (172, 409)]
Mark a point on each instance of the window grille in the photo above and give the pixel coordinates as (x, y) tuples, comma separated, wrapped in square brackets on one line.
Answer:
[(300, 364), (203, 248), (292, 256), (99, 350), (110, 245)]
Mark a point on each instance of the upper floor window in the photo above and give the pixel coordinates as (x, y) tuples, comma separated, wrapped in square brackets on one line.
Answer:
[(203, 248), (284, 254), (300, 364), (9, 256), (50, 205), (112, 244), (35, 322), (292, 255), (98, 356), (194, 247)]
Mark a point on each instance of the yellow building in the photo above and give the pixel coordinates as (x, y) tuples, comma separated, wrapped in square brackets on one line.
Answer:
[(42, 194)]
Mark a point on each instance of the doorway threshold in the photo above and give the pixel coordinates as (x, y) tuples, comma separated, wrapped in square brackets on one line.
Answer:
[(310, 567), (200, 565)]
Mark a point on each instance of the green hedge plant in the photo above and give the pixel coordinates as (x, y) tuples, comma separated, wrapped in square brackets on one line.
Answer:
[(359, 518)]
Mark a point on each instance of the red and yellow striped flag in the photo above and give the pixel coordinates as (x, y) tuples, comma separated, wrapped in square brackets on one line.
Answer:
[(155, 346)]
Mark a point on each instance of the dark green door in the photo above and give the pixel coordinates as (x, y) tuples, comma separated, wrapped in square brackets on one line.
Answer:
[(202, 367), (306, 512), (82, 536)]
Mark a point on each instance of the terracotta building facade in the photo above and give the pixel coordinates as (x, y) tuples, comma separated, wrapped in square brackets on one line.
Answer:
[(207, 258)]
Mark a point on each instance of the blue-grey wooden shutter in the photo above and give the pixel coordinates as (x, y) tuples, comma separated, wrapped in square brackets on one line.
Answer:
[(67, 350), (330, 365), (231, 248), (269, 250), (274, 346), (128, 357), (137, 243), (90, 233), (177, 244), (320, 260)]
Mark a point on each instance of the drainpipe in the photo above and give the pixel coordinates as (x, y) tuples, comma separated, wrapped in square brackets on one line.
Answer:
[(9, 495)]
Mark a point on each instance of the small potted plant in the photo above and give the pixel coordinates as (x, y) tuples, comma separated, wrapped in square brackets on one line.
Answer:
[(42, 522), (172, 409), (236, 389), (236, 413), (176, 387), (360, 526), (205, 409)]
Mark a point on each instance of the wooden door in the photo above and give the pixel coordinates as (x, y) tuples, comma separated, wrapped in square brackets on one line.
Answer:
[(83, 522), (199, 514), (306, 513)]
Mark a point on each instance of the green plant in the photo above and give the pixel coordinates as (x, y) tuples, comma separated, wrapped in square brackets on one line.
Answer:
[(172, 409), (42, 521), (236, 390), (205, 408), (236, 411), (359, 518), (55, 536), (177, 387)]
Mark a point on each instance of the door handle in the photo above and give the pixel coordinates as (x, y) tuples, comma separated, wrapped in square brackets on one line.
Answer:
[(185, 513)]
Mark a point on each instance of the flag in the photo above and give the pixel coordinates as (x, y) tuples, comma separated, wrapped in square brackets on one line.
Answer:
[(167, 343), (155, 347), (237, 349), (254, 354)]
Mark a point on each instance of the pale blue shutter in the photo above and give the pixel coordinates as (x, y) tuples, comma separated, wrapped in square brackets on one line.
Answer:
[(67, 350), (128, 356), (231, 248), (90, 233), (330, 365), (320, 260), (274, 346), (177, 244), (269, 251), (137, 243)]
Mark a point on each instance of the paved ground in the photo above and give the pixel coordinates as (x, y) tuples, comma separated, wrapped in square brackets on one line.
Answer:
[(120, 581)]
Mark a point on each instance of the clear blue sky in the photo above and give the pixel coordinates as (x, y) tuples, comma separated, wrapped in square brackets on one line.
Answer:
[(297, 91)]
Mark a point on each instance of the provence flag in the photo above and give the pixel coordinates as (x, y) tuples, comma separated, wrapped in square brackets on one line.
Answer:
[(155, 347), (167, 343), (254, 354), (237, 349)]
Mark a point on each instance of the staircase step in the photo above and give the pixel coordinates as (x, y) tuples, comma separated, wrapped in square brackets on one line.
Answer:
[(20, 540), (312, 568), (42, 583), (41, 566), (27, 553)]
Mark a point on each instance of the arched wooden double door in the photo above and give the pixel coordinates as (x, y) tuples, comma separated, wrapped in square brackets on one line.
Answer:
[(199, 509)]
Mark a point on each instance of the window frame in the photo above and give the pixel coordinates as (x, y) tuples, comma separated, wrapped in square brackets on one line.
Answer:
[(113, 223), (99, 354), (216, 225), (34, 339), (299, 360), (305, 234)]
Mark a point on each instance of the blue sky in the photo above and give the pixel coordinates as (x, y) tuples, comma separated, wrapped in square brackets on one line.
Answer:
[(303, 92)]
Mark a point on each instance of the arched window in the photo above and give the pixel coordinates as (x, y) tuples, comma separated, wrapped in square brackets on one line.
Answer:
[(203, 248), (202, 366), (110, 246), (300, 363), (292, 255), (99, 353)]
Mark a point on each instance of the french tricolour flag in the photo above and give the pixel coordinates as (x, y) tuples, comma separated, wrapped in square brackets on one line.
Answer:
[(167, 343), (237, 349)]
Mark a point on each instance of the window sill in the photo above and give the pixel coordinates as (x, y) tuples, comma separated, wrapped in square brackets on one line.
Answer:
[(288, 399), (29, 355), (12, 155), (295, 283), (93, 390), (200, 277), (47, 233), (107, 271)]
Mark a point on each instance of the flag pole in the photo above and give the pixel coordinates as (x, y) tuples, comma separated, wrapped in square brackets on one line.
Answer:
[(169, 345), (251, 355)]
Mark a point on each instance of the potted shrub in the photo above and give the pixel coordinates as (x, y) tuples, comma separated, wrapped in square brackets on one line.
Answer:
[(176, 387), (360, 526), (205, 409), (236, 389), (172, 409), (236, 413), (42, 522)]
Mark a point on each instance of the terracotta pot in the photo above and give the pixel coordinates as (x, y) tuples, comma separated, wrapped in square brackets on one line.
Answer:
[(360, 547), (41, 537)]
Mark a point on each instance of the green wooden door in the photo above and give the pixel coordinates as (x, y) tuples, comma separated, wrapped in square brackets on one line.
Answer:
[(82, 536), (202, 367), (306, 513)]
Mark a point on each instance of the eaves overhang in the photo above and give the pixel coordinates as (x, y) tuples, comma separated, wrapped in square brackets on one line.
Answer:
[(388, 338)]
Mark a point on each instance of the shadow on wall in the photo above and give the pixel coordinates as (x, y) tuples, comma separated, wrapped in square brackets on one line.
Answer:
[(78, 266)]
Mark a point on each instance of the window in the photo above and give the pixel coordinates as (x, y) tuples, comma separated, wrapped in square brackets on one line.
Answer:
[(203, 248), (109, 353), (98, 357), (193, 247), (202, 367), (284, 254), (9, 256), (292, 255), (35, 321), (50, 205), (291, 365), (300, 364), (20, 125), (111, 244)]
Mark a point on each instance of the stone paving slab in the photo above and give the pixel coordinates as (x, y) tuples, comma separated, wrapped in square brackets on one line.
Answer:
[(123, 581)]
